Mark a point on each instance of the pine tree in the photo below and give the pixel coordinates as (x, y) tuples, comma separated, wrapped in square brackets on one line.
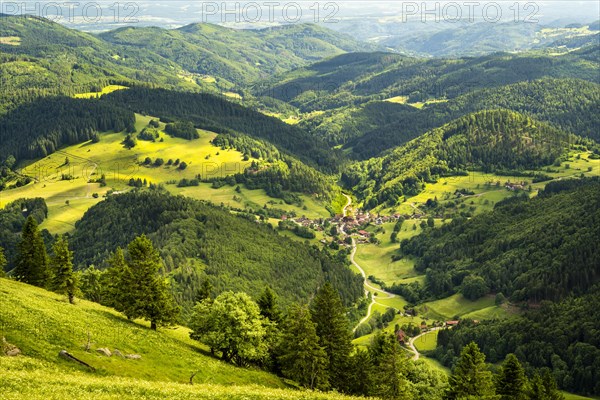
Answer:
[(120, 282), (511, 381), (64, 280), (391, 364), (2, 263), (152, 299), (471, 376), (302, 357), (267, 302), (31, 265), (329, 315)]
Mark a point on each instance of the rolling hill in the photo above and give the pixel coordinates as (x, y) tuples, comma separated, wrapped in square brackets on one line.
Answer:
[(486, 140), (357, 78), (198, 241), (238, 56), (41, 324)]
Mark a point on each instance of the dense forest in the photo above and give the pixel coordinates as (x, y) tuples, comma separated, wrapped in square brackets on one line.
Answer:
[(199, 241), (219, 115), (562, 336), (486, 140), (377, 126), (529, 250), (41, 127)]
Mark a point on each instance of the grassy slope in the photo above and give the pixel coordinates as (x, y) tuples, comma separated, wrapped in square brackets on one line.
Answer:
[(41, 324), (91, 160)]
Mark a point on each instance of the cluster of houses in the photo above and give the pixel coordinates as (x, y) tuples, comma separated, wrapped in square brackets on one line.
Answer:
[(515, 186)]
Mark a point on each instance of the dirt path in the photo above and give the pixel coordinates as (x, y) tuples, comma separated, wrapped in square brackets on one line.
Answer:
[(381, 294), (411, 343)]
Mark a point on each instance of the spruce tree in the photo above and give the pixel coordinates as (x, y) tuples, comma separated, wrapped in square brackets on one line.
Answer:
[(120, 281), (301, 356), (329, 315), (391, 368), (152, 299), (31, 265), (511, 381), (64, 280), (2, 263), (267, 302), (471, 376)]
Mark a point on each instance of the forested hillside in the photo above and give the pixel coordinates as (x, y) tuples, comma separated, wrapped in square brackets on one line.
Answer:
[(43, 126), (562, 336), (199, 241), (352, 79), (527, 249), (219, 115), (487, 140), (568, 103), (238, 56)]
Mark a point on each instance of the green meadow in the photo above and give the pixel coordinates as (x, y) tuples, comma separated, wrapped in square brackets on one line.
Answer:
[(69, 188), (42, 323), (427, 341), (488, 188), (105, 90)]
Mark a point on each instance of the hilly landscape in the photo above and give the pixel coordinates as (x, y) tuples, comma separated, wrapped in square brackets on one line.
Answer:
[(292, 213)]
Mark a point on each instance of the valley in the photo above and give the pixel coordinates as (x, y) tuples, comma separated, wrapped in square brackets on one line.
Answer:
[(289, 212)]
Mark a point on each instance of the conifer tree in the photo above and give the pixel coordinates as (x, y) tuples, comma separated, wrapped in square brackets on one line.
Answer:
[(120, 281), (2, 263), (332, 325), (267, 302), (64, 280), (151, 297), (302, 358), (391, 364), (471, 376), (511, 381), (31, 265)]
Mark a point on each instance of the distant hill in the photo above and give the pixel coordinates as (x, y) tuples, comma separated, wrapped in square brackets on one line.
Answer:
[(41, 57), (570, 104), (239, 56), (486, 140), (198, 241), (353, 79)]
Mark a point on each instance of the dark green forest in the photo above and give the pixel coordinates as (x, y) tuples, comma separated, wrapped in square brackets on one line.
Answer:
[(199, 241), (41, 127), (486, 141), (529, 250), (562, 336)]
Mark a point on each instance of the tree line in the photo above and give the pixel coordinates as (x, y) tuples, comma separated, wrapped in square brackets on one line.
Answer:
[(527, 249)]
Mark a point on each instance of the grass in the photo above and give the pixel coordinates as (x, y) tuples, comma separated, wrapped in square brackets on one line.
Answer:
[(29, 379), (41, 324), (105, 90), (10, 40), (89, 161), (457, 305), (485, 196), (426, 342), (376, 259), (398, 99), (257, 198)]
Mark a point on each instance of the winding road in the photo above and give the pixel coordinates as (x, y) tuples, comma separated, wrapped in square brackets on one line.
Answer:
[(368, 287)]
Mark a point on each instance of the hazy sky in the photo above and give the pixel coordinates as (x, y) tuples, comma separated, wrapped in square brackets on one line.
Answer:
[(94, 15)]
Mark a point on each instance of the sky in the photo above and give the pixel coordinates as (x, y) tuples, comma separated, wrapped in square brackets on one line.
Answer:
[(337, 15)]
